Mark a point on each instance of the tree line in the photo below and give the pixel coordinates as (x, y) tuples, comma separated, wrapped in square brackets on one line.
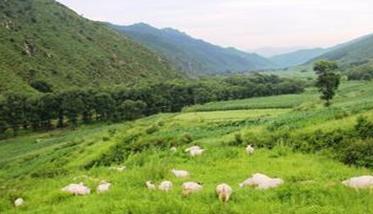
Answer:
[(45, 111)]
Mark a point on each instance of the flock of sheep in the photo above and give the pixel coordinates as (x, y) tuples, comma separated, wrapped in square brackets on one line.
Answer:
[(223, 191)]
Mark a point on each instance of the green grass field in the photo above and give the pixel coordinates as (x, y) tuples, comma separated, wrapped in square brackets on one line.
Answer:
[(36, 167)]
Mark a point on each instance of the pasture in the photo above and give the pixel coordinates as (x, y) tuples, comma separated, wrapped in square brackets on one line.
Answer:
[(282, 130)]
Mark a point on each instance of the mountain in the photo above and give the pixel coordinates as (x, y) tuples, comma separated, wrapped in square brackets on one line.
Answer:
[(42, 40), (193, 55), (357, 51), (273, 51), (297, 57)]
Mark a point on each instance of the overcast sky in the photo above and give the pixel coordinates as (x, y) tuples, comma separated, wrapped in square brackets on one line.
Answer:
[(245, 24)]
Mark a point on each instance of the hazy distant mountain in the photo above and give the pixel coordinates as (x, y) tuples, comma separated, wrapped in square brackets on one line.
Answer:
[(193, 55), (297, 58), (273, 51)]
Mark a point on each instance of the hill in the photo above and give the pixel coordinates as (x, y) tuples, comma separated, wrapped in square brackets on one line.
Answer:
[(42, 40), (355, 52), (193, 55), (302, 144), (297, 57)]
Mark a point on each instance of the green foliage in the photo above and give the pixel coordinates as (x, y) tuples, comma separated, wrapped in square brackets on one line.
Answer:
[(44, 40), (327, 81), (364, 128)]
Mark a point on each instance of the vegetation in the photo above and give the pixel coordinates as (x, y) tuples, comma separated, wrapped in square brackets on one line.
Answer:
[(45, 46), (20, 111), (328, 81), (301, 145)]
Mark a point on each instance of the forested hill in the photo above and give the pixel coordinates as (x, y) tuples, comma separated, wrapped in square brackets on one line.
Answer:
[(297, 57), (358, 51), (44, 42), (193, 55)]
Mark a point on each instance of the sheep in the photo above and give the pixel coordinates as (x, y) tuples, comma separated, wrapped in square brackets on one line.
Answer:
[(195, 151), (249, 150), (191, 187), (118, 168), (150, 185), (165, 186), (180, 173), (262, 181), (173, 149), (103, 187), (359, 182), (19, 202), (77, 189), (224, 192)]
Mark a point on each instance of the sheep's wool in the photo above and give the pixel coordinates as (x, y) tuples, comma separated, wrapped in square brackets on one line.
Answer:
[(224, 192), (191, 187), (77, 189), (165, 186), (103, 187), (262, 181), (180, 173), (19, 202), (359, 182)]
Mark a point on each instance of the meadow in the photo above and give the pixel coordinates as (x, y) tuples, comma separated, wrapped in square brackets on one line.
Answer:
[(295, 138)]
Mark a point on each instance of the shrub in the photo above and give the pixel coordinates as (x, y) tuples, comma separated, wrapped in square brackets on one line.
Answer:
[(152, 129), (359, 153), (364, 128), (237, 141)]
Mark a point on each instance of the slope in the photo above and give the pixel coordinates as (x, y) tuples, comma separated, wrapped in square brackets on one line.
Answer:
[(297, 57), (193, 55), (357, 51), (44, 40)]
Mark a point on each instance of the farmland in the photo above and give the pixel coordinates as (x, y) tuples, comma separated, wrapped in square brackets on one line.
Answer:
[(295, 138)]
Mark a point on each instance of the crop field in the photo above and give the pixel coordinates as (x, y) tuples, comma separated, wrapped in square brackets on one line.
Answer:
[(294, 138)]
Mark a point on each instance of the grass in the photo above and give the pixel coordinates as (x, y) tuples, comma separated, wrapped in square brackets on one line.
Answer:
[(37, 166)]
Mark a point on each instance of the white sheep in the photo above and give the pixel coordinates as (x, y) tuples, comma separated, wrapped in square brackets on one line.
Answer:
[(165, 186), (19, 202), (249, 150), (77, 189), (359, 182), (195, 151), (173, 149), (224, 192), (150, 185), (103, 187), (118, 168), (180, 173), (191, 187), (262, 181)]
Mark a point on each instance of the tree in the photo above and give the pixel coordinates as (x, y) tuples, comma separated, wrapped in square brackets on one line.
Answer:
[(328, 80), (104, 106), (131, 110)]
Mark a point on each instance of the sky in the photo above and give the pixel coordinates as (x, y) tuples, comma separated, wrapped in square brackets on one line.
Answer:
[(244, 24)]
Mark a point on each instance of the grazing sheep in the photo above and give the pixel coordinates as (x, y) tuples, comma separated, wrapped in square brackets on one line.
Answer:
[(173, 149), (165, 186), (180, 173), (359, 182), (191, 187), (249, 150), (77, 189), (19, 202), (150, 185), (118, 168), (262, 181), (195, 151), (103, 187), (224, 192)]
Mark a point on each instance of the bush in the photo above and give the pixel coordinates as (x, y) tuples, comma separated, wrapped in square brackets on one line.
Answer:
[(364, 128), (359, 153), (237, 141), (152, 129)]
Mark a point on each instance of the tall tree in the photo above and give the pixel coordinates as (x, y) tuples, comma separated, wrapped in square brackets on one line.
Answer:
[(328, 80)]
